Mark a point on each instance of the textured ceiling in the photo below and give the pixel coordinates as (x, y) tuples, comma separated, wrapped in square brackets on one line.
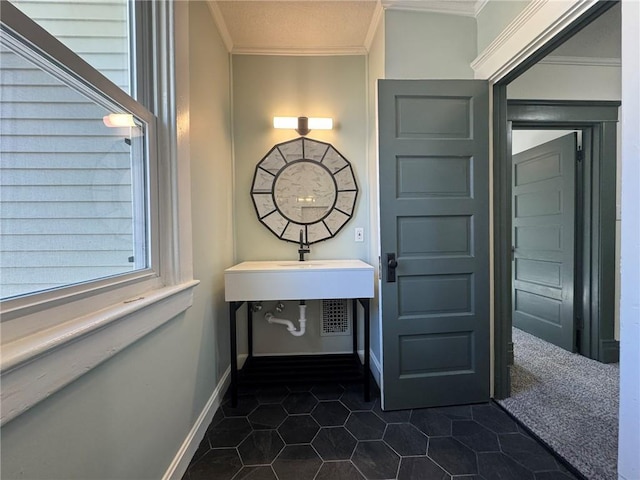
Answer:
[(297, 25), (314, 26), (346, 26)]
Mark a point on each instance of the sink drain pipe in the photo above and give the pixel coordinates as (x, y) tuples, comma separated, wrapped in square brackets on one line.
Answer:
[(288, 323)]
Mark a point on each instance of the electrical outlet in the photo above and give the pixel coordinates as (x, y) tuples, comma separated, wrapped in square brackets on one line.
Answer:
[(359, 234)]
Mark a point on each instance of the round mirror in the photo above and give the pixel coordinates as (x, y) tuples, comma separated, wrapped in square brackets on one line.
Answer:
[(304, 184), (304, 191)]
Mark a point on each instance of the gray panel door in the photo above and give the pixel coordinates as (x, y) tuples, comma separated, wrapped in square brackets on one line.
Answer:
[(543, 236), (434, 214)]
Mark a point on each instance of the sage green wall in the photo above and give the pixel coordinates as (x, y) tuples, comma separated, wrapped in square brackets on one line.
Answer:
[(320, 86), (585, 67), (494, 17), (211, 195), (125, 419), (128, 417), (421, 45), (570, 82), (375, 71), (601, 39)]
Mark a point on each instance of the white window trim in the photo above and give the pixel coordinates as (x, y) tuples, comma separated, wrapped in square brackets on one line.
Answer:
[(50, 344), (35, 367)]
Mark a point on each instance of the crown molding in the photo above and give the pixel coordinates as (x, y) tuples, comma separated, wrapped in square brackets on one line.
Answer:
[(300, 52), (538, 23), (449, 7), (582, 61), (218, 19), (373, 26)]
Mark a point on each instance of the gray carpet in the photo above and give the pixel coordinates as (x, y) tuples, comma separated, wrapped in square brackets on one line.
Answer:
[(569, 401)]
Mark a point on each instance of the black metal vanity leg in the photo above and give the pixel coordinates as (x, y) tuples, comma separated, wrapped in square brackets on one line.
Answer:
[(354, 320), (250, 328), (367, 357), (233, 307)]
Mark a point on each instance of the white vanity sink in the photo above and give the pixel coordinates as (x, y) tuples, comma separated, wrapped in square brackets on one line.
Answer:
[(293, 280)]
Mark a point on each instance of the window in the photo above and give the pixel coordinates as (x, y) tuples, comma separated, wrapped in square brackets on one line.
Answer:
[(77, 168), (92, 257)]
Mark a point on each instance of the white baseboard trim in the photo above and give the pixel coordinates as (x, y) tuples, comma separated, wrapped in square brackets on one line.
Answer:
[(183, 457), (376, 370), (241, 359), (374, 365)]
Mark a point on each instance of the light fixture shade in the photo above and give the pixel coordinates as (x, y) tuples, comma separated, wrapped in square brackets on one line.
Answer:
[(320, 123), (289, 123), (293, 123)]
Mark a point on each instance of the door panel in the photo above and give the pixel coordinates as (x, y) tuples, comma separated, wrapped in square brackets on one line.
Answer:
[(434, 192), (543, 235), (434, 177), (434, 236)]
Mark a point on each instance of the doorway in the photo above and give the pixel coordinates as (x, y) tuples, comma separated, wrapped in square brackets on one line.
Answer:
[(591, 304), (563, 277), (546, 196), (599, 118), (566, 399), (594, 296)]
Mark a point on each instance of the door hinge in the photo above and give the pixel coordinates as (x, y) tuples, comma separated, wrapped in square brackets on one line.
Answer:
[(579, 155), (579, 323)]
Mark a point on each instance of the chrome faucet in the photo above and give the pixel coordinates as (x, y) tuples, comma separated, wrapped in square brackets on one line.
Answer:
[(302, 250)]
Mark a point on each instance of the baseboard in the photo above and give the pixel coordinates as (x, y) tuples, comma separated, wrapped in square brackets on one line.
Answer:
[(609, 351), (374, 365), (181, 461), (376, 368), (241, 359)]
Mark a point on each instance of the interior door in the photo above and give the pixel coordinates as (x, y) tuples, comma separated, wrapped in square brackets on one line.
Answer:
[(434, 214), (544, 235)]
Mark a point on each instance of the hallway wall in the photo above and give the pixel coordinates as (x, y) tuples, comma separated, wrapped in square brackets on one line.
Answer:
[(570, 82)]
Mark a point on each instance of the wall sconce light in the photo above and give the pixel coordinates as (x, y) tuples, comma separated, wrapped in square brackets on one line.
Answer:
[(115, 120), (303, 125)]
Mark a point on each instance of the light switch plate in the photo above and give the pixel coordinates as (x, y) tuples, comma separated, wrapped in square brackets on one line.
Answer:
[(359, 234)]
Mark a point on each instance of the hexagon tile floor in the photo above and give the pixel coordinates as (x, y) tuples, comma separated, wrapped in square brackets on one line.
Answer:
[(327, 432)]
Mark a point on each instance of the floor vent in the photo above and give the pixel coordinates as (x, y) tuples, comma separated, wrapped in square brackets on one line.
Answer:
[(336, 318)]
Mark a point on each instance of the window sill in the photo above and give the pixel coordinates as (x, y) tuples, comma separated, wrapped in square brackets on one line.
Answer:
[(36, 366)]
